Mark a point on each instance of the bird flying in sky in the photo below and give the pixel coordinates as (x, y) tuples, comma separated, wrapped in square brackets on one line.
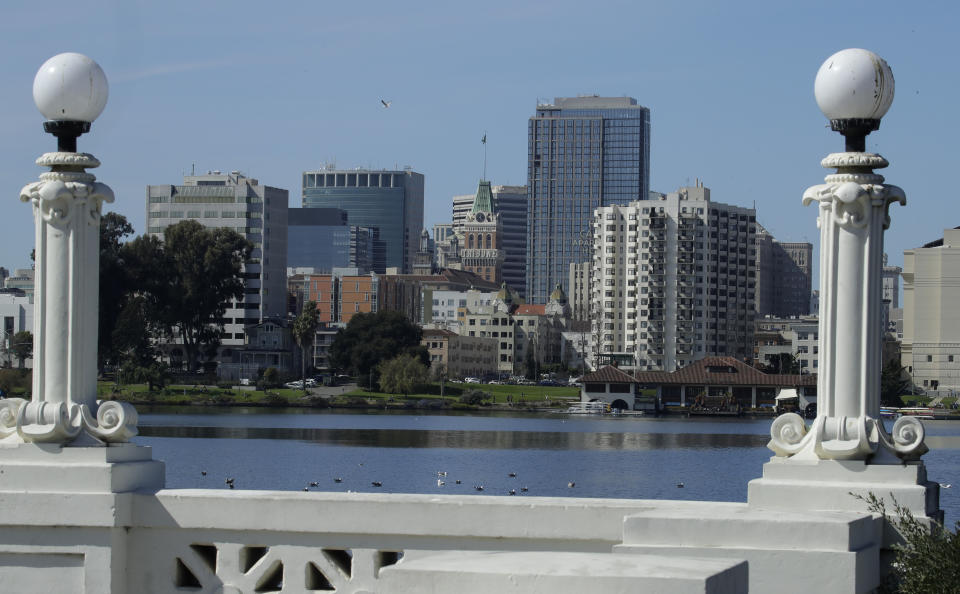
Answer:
[(386, 103)]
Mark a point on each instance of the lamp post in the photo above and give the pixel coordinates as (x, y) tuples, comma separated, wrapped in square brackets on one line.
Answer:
[(70, 90), (854, 89)]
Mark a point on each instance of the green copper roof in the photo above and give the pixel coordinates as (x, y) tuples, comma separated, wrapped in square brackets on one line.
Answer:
[(483, 202)]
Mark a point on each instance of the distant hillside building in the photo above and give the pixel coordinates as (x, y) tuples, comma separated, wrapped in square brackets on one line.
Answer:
[(784, 276), (391, 201)]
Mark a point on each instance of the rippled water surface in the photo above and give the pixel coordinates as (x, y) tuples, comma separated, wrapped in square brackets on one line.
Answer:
[(644, 458)]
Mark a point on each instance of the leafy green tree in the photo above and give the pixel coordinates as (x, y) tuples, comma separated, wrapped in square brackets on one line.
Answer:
[(271, 377), (402, 374), (304, 329), (155, 374), (114, 282), (783, 363), (205, 268), (530, 363), (893, 382), (21, 345), (370, 338)]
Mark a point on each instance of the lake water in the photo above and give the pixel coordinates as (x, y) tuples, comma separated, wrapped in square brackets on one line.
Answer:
[(642, 458)]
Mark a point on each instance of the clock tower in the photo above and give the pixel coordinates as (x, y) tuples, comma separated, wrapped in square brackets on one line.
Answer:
[(480, 251)]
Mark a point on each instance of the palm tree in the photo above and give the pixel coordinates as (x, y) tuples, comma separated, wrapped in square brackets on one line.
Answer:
[(304, 329)]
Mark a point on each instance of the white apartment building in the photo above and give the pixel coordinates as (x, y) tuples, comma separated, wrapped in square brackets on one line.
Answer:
[(257, 212), (797, 336), (674, 279), (447, 309), (16, 315), (930, 349)]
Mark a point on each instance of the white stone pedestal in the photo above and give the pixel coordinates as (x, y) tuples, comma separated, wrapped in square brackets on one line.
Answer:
[(811, 485), (65, 513), (552, 572), (787, 552), (51, 468)]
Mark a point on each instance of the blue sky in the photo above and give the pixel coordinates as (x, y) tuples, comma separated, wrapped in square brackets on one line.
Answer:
[(276, 88)]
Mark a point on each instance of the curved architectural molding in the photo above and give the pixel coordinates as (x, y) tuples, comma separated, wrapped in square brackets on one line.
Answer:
[(67, 203), (846, 438), (115, 421), (852, 216), (48, 422), (83, 160), (843, 160), (9, 411)]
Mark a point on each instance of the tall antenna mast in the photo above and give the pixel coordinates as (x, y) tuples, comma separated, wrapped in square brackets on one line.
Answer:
[(484, 142)]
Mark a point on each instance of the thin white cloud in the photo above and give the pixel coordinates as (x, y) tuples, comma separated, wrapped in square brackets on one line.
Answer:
[(165, 69)]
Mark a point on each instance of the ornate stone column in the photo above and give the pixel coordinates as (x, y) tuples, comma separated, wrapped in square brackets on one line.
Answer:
[(847, 448), (71, 90)]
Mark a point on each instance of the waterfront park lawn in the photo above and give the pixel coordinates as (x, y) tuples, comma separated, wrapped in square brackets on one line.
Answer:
[(345, 396)]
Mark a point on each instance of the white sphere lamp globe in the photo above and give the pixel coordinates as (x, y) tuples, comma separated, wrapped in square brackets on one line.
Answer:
[(70, 87), (854, 89), (854, 84)]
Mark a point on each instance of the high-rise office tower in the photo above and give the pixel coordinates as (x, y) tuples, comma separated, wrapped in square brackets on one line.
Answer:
[(391, 201), (673, 280), (784, 276), (257, 212), (323, 239), (510, 206), (582, 153)]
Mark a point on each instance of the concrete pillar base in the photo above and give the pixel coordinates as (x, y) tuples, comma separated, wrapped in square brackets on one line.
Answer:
[(797, 485), (826, 552), (563, 572), (51, 468)]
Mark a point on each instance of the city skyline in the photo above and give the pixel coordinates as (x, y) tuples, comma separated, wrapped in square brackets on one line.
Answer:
[(261, 91)]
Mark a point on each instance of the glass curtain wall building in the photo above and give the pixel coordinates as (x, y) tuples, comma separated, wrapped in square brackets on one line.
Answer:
[(583, 153), (390, 201)]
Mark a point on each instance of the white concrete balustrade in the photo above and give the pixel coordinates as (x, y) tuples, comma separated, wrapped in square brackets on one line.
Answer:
[(84, 511)]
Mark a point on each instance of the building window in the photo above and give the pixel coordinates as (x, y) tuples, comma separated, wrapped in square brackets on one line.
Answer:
[(929, 359)]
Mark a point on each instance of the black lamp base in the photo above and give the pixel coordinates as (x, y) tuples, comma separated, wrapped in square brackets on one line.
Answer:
[(855, 132), (67, 132)]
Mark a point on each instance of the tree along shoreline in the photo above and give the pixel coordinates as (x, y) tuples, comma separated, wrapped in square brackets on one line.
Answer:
[(499, 398)]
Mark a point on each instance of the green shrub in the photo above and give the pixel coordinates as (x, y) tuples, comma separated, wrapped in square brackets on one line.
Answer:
[(928, 558), (274, 399), (474, 397), (16, 382)]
